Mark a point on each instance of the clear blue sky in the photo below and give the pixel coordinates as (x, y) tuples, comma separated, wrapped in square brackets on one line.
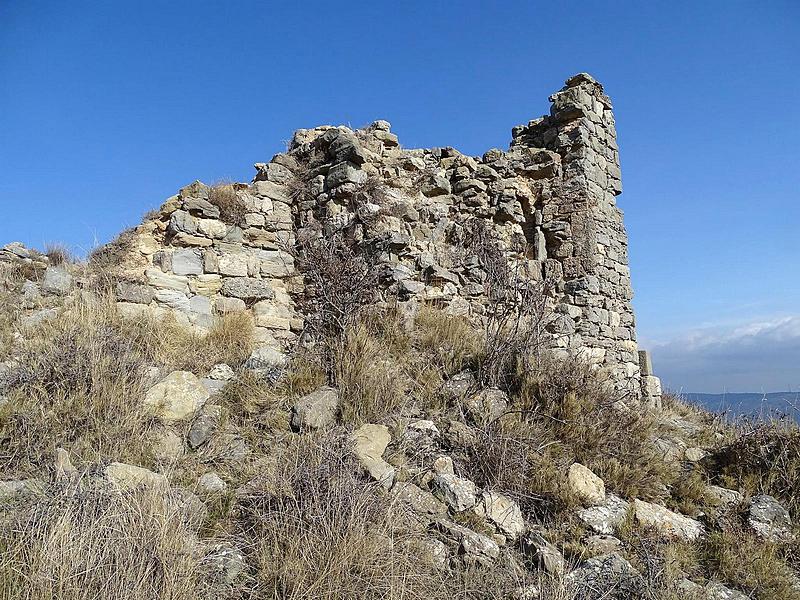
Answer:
[(106, 108)]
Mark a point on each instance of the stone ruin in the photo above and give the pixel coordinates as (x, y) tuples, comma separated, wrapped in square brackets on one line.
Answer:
[(550, 200)]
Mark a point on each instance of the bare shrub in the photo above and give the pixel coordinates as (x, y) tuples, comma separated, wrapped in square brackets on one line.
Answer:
[(231, 208), (521, 458), (517, 309), (80, 545), (341, 279)]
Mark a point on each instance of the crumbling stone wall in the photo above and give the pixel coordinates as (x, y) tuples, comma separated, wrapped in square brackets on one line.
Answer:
[(549, 201)]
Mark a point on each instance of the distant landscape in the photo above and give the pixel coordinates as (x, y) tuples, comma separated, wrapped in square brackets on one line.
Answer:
[(749, 404)]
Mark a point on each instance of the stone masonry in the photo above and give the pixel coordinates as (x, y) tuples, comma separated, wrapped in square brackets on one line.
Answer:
[(550, 200)]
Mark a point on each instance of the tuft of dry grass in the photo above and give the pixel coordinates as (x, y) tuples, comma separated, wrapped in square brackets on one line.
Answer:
[(230, 340), (582, 411), (231, 208), (58, 254), (450, 341), (80, 545), (108, 256), (371, 382)]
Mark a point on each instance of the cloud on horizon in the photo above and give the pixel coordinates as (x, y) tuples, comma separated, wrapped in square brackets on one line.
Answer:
[(759, 356)]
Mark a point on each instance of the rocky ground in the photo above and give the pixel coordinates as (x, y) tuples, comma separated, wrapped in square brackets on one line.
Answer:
[(141, 461)]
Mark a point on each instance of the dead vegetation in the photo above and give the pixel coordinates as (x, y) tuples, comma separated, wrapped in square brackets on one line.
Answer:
[(232, 209), (76, 544)]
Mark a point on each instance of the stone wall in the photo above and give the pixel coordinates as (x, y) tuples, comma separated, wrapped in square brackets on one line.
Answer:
[(549, 200)]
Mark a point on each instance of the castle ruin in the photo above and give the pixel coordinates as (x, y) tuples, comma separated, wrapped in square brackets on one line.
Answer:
[(550, 199)]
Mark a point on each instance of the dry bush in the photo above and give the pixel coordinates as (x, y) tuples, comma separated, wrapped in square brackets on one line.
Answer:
[(82, 545), (319, 530), (340, 280), (231, 208), (741, 560), (451, 342), (58, 254), (764, 458), (79, 386), (517, 312)]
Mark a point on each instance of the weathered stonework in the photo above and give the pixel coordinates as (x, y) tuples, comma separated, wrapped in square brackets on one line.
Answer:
[(550, 200)]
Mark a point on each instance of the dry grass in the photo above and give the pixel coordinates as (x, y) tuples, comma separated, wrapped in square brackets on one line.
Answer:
[(80, 387), (231, 208), (583, 413), (105, 258), (81, 545), (741, 560), (59, 255), (371, 381), (451, 342), (320, 531), (230, 340), (763, 458)]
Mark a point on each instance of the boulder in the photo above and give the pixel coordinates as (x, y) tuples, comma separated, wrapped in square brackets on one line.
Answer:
[(210, 484), (458, 493), (187, 261), (177, 397), (724, 497), (192, 510), (135, 293), (585, 485), (769, 519), (606, 517), (666, 522), (204, 426), (16, 489), (369, 444), (221, 372), (424, 504), (265, 360), (56, 281), (475, 547), (316, 410), (225, 563), (487, 405), (503, 513), (247, 288), (543, 554), (126, 477), (167, 445), (602, 544)]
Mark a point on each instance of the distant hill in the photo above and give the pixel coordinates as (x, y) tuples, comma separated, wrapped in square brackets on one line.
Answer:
[(749, 404)]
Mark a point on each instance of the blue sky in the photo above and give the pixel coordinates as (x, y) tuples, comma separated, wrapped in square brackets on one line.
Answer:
[(106, 108)]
